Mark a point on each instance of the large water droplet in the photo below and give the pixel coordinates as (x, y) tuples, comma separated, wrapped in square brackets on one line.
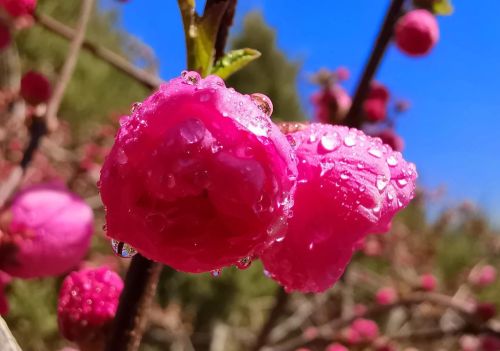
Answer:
[(350, 140), (392, 161), (191, 77), (135, 106), (122, 249), (329, 142), (263, 103), (244, 263), (344, 175), (216, 273), (402, 182), (382, 182), (375, 152)]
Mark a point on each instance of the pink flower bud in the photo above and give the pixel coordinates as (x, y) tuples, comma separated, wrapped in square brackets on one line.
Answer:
[(469, 343), (389, 137), (490, 343), (310, 333), (35, 88), (88, 300), (428, 282), (349, 185), (336, 347), (375, 110), (386, 296), (343, 73), (18, 8), (50, 230), (331, 104), (417, 32), (5, 36), (199, 177), (486, 310), (483, 276), (362, 331), (4, 304), (379, 91)]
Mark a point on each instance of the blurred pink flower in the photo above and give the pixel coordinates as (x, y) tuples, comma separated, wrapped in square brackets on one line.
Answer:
[(386, 296), (331, 104), (5, 36), (349, 185), (469, 343), (88, 300), (375, 110), (336, 347), (35, 88), (343, 73), (417, 32), (49, 232), (362, 331), (18, 8), (428, 282), (483, 276), (389, 137), (199, 177)]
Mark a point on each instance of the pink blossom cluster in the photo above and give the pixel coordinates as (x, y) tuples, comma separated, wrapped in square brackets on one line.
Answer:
[(200, 178)]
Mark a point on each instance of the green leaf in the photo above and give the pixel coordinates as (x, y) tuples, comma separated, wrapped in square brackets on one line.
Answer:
[(233, 61), (442, 7)]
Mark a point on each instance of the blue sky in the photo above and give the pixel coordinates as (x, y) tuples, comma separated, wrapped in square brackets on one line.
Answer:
[(452, 130)]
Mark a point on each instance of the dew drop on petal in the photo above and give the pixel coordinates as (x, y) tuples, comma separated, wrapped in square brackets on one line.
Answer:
[(191, 78), (263, 103), (329, 142), (392, 161), (216, 273), (135, 106), (350, 140), (244, 263), (122, 249), (375, 152), (382, 182), (402, 182)]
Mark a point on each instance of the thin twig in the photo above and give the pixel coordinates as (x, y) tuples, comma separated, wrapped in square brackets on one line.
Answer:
[(135, 301), (281, 300), (145, 78), (225, 24), (354, 118), (69, 64)]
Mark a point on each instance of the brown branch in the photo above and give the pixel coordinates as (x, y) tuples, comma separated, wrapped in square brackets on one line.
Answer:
[(145, 78), (225, 24), (325, 331), (281, 300), (135, 301), (69, 64), (354, 117)]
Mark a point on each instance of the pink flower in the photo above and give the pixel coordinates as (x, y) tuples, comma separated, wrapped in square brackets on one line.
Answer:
[(417, 32), (469, 343), (336, 347), (386, 296), (483, 276), (375, 110), (5, 36), (343, 73), (331, 104), (349, 185), (49, 232), (18, 8), (35, 88), (88, 300), (199, 177), (311, 333), (485, 310), (490, 343), (428, 282), (4, 281), (362, 331), (379, 91), (390, 138)]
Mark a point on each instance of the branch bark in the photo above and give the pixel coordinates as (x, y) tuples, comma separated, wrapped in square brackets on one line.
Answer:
[(354, 117)]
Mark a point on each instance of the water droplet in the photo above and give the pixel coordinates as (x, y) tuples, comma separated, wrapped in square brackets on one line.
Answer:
[(312, 138), (329, 142), (402, 182), (390, 195), (362, 188), (291, 140), (121, 156), (135, 106), (216, 147), (375, 152), (350, 140), (216, 273), (344, 175), (244, 263), (360, 165), (122, 249), (192, 131), (392, 161), (382, 182), (263, 103), (191, 77)]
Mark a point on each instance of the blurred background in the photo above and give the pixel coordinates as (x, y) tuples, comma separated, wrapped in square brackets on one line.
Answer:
[(450, 230)]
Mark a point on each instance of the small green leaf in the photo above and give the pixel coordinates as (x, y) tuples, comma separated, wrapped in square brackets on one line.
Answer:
[(233, 61), (442, 7)]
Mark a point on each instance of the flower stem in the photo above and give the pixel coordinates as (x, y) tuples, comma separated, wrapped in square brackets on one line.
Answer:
[(354, 117), (140, 286)]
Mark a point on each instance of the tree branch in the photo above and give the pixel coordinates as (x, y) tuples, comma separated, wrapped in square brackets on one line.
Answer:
[(354, 117), (145, 78)]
